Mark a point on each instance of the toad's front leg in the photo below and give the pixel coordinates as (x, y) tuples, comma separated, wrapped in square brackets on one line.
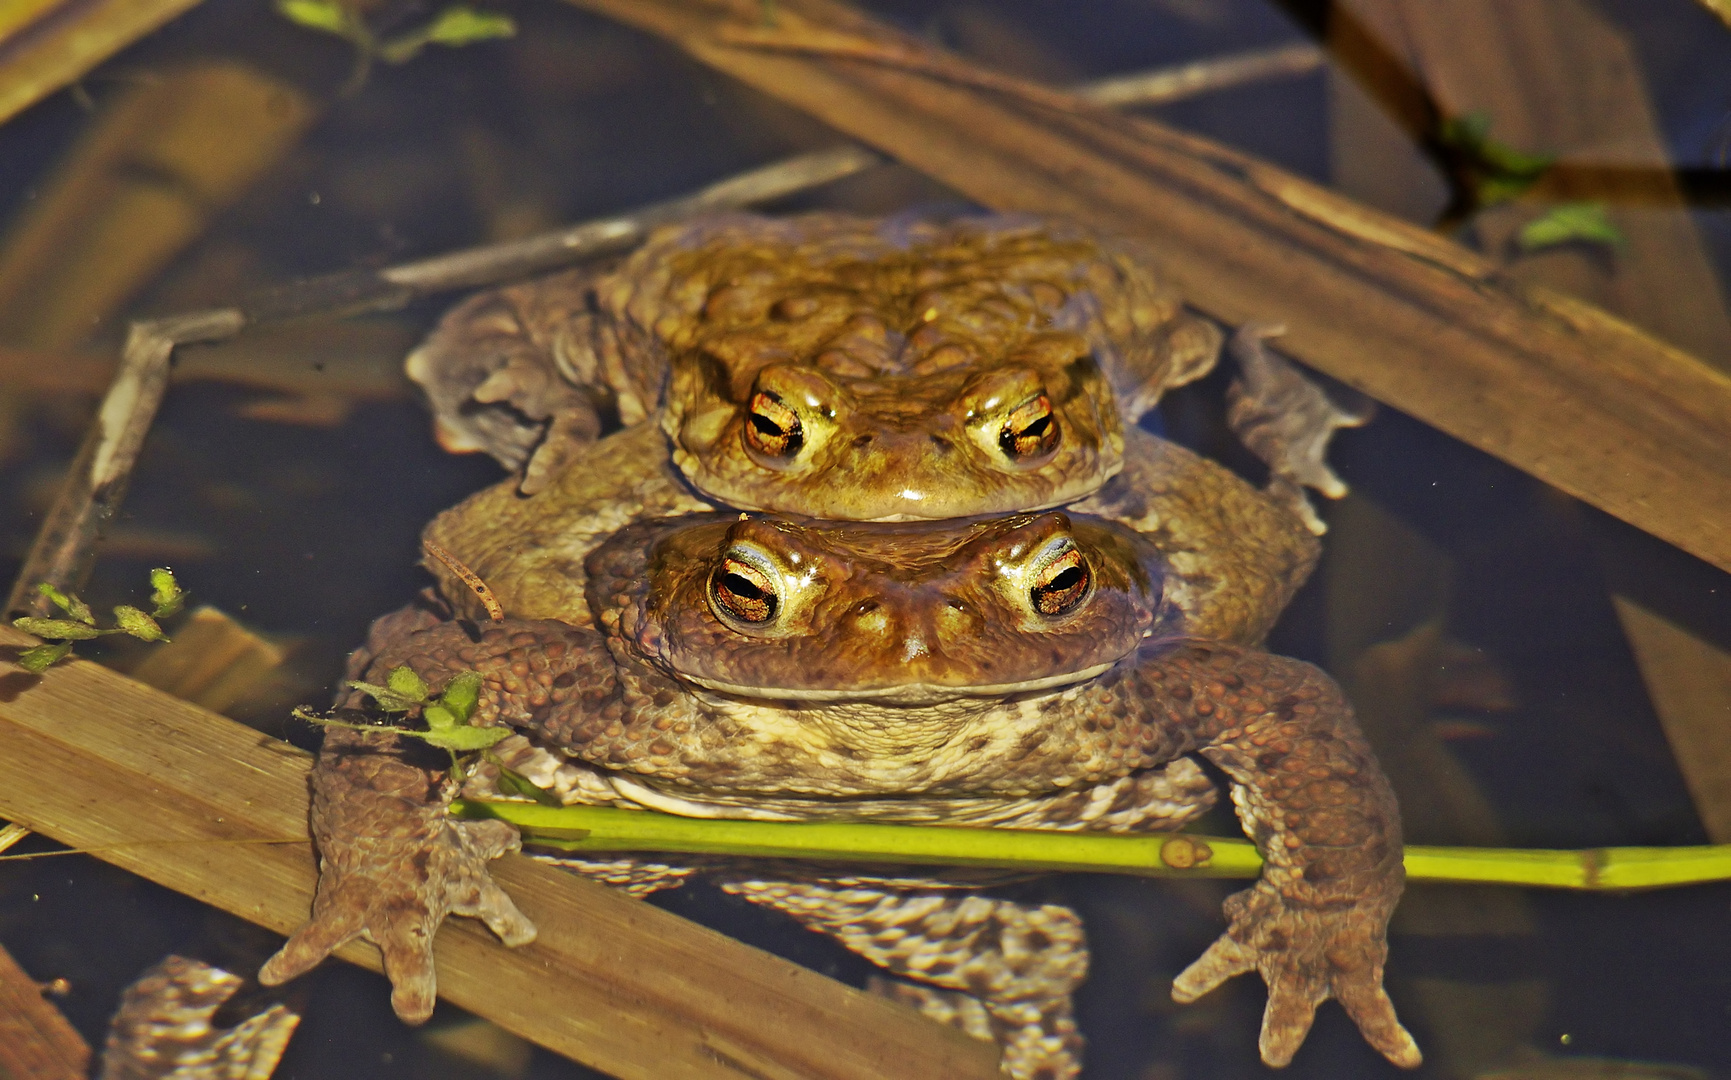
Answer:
[(1324, 818), (1287, 421), (392, 863)]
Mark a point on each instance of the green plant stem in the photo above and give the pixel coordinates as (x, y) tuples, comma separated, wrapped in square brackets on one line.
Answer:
[(595, 828)]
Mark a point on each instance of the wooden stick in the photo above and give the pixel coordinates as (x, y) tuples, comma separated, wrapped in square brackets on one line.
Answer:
[(1548, 383), (1688, 678), (103, 227), (65, 546), (56, 47), (1721, 8), (36, 1042), (369, 290), (1163, 86), (194, 802), (1558, 76)]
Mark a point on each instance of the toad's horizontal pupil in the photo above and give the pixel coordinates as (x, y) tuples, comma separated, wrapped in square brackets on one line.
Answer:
[(1071, 577), (1031, 429), (773, 428), (743, 588), (745, 593), (1065, 586)]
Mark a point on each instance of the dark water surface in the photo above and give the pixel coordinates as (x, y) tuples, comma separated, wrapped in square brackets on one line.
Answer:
[(307, 531)]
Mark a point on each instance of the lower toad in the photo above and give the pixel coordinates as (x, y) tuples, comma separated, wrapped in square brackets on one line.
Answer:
[(1030, 671)]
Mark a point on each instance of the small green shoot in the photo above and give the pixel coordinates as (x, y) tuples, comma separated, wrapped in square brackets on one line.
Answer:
[(446, 716), (130, 620), (42, 657), (1492, 171), (167, 598), (1567, 223), (453, 26), (73, 606), (326, 15), (403, 692)]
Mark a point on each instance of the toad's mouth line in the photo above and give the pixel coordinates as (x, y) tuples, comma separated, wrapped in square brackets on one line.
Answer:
[(904, 694), (909, 516)]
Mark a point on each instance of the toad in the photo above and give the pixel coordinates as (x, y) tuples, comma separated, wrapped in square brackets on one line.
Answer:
[(1232, 558), (861, 369), (1032, 663)]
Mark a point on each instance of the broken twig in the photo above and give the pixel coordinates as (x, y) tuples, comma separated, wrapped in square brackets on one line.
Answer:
[(65, 545), (1165, 85), (35, 1040)]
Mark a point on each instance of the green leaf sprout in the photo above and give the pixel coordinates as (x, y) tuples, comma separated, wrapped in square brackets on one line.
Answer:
[(73, 606), (453, 26), (138, 624), (1575, 222), (42, 657), (167, 598), (63, 629), (446, 716), (326, 15), (1493, 171)]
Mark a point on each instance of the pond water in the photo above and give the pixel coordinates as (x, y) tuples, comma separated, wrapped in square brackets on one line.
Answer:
[(1467, 607)]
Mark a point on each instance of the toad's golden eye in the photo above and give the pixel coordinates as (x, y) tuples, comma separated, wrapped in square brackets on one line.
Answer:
[(773, 428), (1061, 584), (1031, 430), (743, 591)]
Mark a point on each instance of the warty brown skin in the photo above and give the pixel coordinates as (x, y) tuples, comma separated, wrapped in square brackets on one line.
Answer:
[(1308, 791), (832, 366), (1231, 556), (879, 608)]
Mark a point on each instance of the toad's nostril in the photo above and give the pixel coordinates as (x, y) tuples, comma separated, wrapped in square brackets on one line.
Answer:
[(956, 621), (860, 442), (868, 617)]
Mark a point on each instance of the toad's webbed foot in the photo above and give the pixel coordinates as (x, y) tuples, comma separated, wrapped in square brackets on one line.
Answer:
[(392, 865), (1286, 420), (1310, 794), (1306, 955)]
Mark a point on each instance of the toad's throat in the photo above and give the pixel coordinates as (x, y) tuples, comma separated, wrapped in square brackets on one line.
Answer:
[(903, 694)]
